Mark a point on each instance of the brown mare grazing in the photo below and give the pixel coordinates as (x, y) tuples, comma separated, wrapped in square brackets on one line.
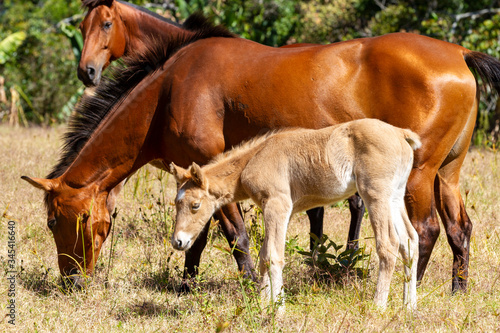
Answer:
[(293, 170), (215, 91), (112, 29)]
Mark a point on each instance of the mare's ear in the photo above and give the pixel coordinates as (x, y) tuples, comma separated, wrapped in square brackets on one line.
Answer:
[(198, 176), (180, 174), (44, 184)]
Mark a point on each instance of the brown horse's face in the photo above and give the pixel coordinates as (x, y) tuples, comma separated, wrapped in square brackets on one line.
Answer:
[(194, 205), (79, 221), (104, 41)]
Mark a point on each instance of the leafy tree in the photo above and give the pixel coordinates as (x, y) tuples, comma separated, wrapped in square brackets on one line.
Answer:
[(43, 64)]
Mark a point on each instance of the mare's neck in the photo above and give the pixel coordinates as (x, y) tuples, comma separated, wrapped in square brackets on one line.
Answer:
[(118, 147), (142, 27)]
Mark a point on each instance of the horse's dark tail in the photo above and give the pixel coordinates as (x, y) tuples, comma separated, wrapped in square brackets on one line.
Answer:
[(486, 67)]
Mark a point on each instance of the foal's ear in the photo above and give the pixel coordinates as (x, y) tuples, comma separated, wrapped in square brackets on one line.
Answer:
[(197, 175), (44, 184), (180, 174)]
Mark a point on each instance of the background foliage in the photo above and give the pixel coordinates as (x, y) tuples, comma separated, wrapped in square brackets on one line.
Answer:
[(40, 43)]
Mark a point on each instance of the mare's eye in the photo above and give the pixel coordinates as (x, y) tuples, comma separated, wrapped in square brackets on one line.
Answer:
[(107, 25), (51, 223), (195, 205)]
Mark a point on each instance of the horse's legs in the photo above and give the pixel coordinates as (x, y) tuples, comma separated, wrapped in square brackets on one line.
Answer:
[(421, 206), (277, 213), (316, 222), (408, 247), (233, 227), (192, 258), (387, 244), (235, 233), (457, 224), (357, 209)]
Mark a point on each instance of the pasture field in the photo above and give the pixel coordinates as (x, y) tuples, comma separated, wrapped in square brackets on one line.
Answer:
[(138, 273)]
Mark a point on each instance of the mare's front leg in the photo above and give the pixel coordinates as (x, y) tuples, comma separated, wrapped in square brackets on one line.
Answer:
[(233, 226), (316, 223), (357, 209), (192, 258), (234, 229)]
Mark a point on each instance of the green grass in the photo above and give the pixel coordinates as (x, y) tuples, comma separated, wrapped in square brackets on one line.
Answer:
[(134, 288)]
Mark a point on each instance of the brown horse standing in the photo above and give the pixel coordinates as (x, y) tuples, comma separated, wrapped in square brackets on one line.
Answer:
[(214, 91), (112, 29)]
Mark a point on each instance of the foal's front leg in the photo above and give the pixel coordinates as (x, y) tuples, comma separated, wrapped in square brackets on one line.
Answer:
[(272, 254)]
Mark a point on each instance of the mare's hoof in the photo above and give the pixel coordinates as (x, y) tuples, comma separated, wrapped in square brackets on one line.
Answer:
[(184, 288)]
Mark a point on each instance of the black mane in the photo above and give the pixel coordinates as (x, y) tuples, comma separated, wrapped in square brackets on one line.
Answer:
[(117, 84), (149, 12), (95, 3)]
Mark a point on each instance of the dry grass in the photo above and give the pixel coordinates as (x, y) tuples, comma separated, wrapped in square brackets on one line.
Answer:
[(144, 271)]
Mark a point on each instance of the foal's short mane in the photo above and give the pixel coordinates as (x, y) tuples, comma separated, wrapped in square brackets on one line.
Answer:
[(244, 147), (117, 85)]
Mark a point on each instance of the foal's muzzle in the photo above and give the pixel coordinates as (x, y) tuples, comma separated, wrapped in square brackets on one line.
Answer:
[(181, 242)]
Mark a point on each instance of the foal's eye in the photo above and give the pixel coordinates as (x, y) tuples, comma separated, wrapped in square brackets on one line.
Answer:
[(51, 223), (107, 25), (195, 205)]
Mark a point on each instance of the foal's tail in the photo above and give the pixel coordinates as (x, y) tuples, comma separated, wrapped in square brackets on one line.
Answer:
[(412, 138), (486, 67)]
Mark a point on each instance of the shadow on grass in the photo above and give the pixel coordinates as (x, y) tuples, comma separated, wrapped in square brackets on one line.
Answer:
[(147, 309), (40, 281)]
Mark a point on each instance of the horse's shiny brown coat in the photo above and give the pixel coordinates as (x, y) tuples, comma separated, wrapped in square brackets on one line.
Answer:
[(216, 92)]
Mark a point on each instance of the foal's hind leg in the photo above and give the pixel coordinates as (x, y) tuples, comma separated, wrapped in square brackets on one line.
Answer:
[(387, 244), (408, 247), (457, 224), (277, 213)]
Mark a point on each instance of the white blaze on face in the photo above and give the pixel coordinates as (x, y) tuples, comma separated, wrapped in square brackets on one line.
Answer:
[(180, 195)]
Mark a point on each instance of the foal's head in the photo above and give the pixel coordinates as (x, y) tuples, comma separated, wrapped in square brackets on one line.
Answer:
[(80, 221), (104, 37), (195, 205)]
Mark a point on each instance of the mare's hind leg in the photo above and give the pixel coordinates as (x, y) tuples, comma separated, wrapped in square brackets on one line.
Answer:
[(357, 209), (457, 224), (421, 208), (316, 223)]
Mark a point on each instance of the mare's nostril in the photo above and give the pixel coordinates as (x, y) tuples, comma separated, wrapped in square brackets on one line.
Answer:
[(179, 244), (91, 72)]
